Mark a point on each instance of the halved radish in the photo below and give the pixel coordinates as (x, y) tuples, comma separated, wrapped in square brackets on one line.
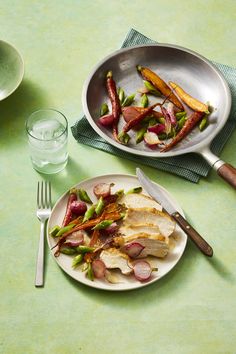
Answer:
[(99, 268), (151, 139), (75, 239), (157, 128), (106, 121), (78, 207), (112, 198), (102, 190), (142, 270), (133, 249)]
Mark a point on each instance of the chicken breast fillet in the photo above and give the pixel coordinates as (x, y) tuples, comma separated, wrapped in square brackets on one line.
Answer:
[(113, 258), (150, 216), (139, 200)]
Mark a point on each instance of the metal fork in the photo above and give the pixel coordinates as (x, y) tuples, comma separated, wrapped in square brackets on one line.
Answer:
[(44, 204)]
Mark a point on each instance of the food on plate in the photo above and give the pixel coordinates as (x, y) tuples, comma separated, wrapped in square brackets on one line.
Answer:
[(120, 231), (162, 129), (188, 99)]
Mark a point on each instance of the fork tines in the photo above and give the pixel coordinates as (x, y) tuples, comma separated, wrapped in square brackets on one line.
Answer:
[(44, 199)]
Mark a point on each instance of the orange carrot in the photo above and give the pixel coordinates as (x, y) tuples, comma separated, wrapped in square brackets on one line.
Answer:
[(189, 100)]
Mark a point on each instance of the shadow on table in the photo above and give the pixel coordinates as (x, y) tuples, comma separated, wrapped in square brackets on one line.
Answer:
[(15, 109), (221, 269)]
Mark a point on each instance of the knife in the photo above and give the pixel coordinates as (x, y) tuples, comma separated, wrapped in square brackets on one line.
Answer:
[(157, 193)]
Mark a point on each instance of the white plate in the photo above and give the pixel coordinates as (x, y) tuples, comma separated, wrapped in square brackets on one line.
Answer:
[(125, 182)]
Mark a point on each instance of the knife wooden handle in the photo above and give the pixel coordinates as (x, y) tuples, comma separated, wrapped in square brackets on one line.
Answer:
[(193, 234)]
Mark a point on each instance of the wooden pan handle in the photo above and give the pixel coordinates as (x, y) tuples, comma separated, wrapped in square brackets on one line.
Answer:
[(228, 173)]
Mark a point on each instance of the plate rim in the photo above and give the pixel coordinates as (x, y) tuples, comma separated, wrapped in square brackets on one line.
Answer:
[(22, 72), (95, 285), (195, 148)]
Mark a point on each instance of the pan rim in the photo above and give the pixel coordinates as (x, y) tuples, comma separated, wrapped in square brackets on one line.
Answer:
[(157, 154)]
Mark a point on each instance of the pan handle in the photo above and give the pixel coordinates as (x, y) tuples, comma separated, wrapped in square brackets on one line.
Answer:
[(224, 170)]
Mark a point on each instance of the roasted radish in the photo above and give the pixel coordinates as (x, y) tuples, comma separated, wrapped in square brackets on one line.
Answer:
[(78, 208), (106, 121), (99, 268), (151, 139), (142, 270), (75, 239), (102, 190), (133, 249), (157, 128)]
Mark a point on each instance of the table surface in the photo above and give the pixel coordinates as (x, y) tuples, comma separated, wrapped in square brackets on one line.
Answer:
[(192, 309)]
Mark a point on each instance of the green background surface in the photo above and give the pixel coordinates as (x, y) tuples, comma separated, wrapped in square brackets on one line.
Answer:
[(192, 309)]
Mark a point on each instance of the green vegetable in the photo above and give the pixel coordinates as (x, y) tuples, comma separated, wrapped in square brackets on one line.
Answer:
[(181, 123), (124, 137), (102, 225), (162, 136), (120, 193), (77, 260), (90, 274), (128, 100), (121, 94), (64, 229), (140, 134), (144, 101), (179, 115), (104, 109), (99, 207), (152, 122), (151, 89), (54, 230), (84, 267), (161, 120), (172, 133), (204, 123), (68, 250), (83, 195), (84, 249), (135, 190), (89, 213)]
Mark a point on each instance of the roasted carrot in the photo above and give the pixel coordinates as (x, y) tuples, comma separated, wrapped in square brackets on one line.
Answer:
[(190, 123), (115, 103), (132, 123), (189, 100), (160, 85), (68, 215), (111, 212), (94, 238)]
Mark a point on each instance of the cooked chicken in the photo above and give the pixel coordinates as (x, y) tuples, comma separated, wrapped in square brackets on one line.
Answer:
[(134, 200), (150, 216), (130, 230), (113, 258)]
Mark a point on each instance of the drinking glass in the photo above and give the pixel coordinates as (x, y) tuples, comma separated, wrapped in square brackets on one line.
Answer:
[(47, 131)]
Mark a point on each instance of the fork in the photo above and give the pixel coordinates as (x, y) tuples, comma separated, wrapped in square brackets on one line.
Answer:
[(44, 203)]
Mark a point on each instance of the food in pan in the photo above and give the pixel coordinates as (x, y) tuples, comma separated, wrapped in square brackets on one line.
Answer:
[(161, 125)]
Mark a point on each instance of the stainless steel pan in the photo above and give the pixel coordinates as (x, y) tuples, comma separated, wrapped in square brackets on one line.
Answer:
[(173, 63)]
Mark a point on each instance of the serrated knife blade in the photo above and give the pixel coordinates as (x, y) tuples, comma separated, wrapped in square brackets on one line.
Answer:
[(158, 194)]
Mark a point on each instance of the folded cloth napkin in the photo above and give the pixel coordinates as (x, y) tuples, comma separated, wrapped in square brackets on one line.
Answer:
[(190, 166)]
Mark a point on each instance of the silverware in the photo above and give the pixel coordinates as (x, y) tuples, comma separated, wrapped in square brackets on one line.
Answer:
[(44, 203), (156, 193)]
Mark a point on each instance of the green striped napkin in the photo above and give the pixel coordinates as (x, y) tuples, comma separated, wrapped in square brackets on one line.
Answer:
[(190, 166)]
